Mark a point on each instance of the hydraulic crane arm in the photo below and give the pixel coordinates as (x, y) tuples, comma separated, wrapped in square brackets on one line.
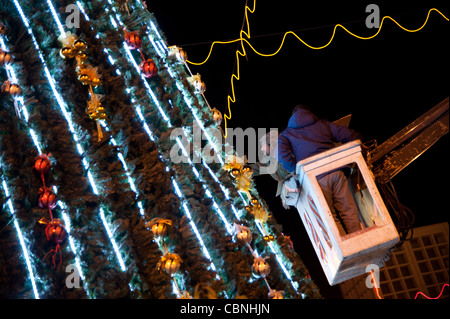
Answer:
[(391, 157)]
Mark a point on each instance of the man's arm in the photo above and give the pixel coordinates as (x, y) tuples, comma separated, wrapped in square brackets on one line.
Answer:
[(343, 134), (285, 154)]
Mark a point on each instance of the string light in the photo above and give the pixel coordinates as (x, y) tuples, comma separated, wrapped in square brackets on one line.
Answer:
[(60, 203), (232, 97), (147, 129), (439, 296), (21, 240), (228, 226), (160, 51), (375, 285), (62, 106)]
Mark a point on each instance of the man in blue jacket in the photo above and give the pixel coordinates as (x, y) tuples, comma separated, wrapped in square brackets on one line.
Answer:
[(307, 135)]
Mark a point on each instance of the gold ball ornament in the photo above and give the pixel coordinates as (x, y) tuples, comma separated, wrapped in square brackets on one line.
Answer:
[(254, 201), (276, 294), (200, 87), (243, 234), (84, 79), (101, 113), (170, 263), (261, 267), (95, 82), (100, 109), (181, 55), (5, 58), (67, 53), (82, 56), (3, 28), (11, 88), (15, 90), (246, 169), (158, 226), (93, 115), (235, 173), (217, 116), (80, 45), (269, 238)]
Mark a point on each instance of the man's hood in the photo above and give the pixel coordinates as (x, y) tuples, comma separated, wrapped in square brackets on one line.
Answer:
[(302, 118)]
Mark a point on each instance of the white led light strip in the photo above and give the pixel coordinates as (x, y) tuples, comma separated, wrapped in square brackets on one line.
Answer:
[(60, 203), (150, 134), (21, 240), (156, 102), (69, 121), (184, 92)]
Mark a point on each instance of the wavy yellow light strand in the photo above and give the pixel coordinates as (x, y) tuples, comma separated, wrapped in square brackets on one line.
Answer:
[(232, 97)]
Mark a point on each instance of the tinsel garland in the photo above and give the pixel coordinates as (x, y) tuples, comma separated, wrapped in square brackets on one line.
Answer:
[(14, 283), (152, 181)]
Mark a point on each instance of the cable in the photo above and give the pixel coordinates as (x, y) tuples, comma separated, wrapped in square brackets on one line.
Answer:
[(265, 35), (421, 293), (232, 98), (404, 217), (375, 285), (319, 47), (351, 33)]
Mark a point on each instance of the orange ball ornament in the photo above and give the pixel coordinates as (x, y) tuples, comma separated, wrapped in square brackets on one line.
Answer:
[(5, 58), (47, 198), (243, 234), (42, 164), (170, 263), (149, 68), (261, 267), (55, 232), (158, 226), (133, 40)]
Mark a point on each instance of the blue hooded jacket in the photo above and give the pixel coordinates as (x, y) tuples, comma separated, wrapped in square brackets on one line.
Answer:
[(307, 135)]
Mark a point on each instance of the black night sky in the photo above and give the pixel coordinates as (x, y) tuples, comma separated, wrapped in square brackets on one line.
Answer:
[(385, 83)]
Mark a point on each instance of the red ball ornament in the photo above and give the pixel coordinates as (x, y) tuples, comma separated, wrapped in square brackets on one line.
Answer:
[(149, 68), (47, 198), (55, 232), (42, 164), (133, 40)]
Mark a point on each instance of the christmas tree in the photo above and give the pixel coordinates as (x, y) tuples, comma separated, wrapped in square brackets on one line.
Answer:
[(93, 206)]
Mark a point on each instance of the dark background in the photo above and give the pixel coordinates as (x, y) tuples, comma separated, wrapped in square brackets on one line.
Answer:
[(385, 83)]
